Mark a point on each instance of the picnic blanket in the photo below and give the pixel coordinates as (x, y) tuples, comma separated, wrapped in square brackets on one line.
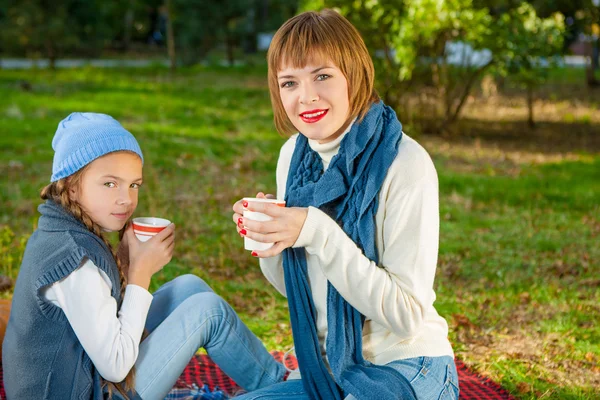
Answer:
[(203, 380)]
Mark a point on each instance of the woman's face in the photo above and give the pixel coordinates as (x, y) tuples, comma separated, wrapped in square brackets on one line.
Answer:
[(315, 99), (108, 189)]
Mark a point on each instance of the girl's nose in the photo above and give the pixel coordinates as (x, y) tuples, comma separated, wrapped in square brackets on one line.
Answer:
[(124, 198)]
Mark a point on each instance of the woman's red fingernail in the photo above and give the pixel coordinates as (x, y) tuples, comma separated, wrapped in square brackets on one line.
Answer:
[(245, 203), (240, 221), (243, 232), (254, 254)]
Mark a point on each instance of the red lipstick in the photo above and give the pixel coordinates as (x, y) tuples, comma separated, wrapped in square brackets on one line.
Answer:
[(313, 116)]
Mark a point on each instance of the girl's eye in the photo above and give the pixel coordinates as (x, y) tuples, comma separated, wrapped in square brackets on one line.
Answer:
[(110, 184), (323, 77), (136, 185), (287, 84)]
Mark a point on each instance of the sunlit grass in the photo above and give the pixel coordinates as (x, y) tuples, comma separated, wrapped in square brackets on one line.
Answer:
[(518, 266)]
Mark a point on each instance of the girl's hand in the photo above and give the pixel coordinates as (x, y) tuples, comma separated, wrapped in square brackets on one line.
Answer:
[(147, 258), (283, 230)]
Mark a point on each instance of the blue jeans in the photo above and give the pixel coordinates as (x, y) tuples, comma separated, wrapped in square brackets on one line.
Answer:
[(432, 378), (185, 315)]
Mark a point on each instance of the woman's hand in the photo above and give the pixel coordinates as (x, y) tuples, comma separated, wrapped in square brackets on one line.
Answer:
[(283, 229), (147, 258), (238, 210)]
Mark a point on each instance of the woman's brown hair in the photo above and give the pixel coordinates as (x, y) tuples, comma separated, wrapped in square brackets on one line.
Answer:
[(317, 37), (59, 192)]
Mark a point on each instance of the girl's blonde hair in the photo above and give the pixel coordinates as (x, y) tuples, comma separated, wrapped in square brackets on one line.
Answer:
[(318, 37), (59, 192)]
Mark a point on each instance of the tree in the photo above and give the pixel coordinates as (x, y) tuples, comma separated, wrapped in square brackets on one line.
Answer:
[(583, 18), (170, 35), (201, 27), (535, 41), (413, 43), (51, 29)]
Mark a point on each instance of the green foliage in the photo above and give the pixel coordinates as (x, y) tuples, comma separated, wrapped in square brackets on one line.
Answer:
[(37, 28), (200, 26), (409, 42), (533, 44), (530, 40)]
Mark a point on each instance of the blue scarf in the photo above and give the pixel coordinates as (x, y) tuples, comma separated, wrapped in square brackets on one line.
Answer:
[(348, 192)]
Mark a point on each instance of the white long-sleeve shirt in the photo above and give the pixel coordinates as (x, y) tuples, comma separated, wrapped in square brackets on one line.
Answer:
[(397, 300), (111, 341)]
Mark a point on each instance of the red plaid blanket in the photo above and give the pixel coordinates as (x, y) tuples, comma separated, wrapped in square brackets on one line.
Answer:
[(201, 373), (201, 370)]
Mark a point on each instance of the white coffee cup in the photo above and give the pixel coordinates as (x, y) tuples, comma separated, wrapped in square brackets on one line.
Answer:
[(250, 244), (146, 227)]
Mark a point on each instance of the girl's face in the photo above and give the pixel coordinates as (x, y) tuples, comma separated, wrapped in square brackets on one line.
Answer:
[(315, 99), (108, 189)]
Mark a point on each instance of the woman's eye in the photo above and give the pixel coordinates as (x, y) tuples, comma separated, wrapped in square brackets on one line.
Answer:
[(322, 77), (287, 84), (136, 185), (110, 184)]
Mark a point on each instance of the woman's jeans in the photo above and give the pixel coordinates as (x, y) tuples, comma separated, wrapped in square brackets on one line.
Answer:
[(185, 315), (432, 378)]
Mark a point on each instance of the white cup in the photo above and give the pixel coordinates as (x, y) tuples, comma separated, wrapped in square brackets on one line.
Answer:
[(146, 227), (250, 244)]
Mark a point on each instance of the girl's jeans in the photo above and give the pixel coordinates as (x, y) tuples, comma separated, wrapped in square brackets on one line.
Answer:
[(432, 378), (185, 315)]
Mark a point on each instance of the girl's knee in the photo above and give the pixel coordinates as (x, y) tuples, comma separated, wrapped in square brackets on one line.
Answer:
[(211, 300), (210, 305), (192, 283)]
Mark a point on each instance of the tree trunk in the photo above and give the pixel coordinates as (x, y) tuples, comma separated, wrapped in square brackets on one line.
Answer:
[(128, 25), (589, 68), (530, 120), (229, 45), (595, 54), (51, 54), (452, 115), (170, 36)]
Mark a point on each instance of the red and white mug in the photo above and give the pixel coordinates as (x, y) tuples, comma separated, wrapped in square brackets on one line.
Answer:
[(146, 227)]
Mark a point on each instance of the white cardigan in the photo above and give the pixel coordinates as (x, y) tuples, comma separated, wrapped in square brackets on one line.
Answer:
[(397, 300)]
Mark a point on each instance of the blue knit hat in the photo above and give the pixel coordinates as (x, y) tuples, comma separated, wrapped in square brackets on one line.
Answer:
[(82, 137)]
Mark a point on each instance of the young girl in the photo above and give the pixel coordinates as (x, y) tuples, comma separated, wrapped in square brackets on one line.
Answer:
[(78, 312), (356, 245)]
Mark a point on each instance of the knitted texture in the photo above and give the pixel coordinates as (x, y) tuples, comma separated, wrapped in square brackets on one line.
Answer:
[(348, 192), (42, 356), (82, 137)]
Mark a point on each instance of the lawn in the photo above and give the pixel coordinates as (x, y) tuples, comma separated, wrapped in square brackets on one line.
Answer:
[(518, 272)]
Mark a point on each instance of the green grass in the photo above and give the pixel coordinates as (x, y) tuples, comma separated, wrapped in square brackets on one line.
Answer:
[(518, 266)]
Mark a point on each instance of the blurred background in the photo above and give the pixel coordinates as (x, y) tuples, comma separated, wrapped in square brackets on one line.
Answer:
[(504, 94)]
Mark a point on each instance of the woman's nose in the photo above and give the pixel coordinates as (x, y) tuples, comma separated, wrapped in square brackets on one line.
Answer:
[(309, 95)]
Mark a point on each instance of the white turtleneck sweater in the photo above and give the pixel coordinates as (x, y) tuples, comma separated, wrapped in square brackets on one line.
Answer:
[(397, 300)]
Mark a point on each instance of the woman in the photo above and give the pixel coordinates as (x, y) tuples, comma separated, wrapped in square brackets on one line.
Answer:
[(356, 245)]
